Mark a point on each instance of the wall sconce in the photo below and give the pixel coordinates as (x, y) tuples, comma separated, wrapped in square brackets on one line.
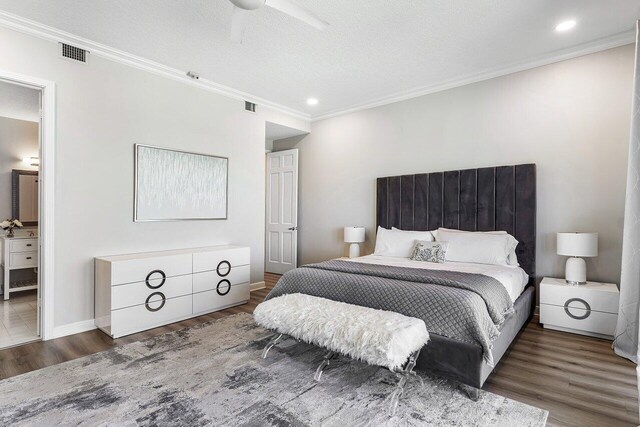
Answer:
[(31, 161)]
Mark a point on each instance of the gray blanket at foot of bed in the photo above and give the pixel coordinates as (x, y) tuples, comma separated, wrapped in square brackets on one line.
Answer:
[(464, 306)]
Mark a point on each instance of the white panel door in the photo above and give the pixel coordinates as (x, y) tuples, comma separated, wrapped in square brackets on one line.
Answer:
[(282, 211)]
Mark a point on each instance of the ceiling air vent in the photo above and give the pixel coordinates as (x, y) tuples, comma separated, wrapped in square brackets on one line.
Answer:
[(73, 53), (250, 106)]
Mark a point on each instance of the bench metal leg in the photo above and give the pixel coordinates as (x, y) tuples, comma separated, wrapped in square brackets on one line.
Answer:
[(274, 340), (325, 362), (404, 375), (472, 393)]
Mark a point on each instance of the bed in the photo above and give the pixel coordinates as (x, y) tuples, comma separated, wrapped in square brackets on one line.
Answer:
[(487, 199)]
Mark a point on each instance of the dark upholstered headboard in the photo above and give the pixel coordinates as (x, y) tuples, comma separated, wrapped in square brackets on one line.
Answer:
[(485, 199)]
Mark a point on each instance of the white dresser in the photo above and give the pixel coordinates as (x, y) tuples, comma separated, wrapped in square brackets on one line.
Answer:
[(17, 253), (590, 309), (142, 291)]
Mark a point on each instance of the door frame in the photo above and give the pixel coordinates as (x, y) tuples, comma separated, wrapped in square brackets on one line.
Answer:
[(46, 261)]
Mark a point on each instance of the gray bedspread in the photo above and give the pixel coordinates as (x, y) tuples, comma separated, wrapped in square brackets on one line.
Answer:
[(464, 306)]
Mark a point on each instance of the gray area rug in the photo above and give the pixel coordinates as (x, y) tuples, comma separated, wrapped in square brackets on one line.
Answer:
[(213, 375)]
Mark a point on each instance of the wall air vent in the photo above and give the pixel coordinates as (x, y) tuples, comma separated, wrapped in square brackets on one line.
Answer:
[(250, 106), (73, 53)]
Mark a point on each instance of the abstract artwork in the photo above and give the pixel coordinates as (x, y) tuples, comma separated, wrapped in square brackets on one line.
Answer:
[(176, 185)]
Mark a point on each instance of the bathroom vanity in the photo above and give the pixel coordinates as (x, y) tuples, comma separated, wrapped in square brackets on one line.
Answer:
[(18, 253)]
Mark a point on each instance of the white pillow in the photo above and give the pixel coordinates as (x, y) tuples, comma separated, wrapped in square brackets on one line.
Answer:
[(423, 235), (398, 243), (512, 259), (480, 248)]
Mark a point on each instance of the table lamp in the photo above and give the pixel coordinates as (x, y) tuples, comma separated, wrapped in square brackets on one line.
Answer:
[(575, 246), (355, 236)]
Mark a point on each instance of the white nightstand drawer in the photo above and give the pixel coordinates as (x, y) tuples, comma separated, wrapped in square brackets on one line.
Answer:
[(578, 320), (23, 245), (24, 259), (598, 296)]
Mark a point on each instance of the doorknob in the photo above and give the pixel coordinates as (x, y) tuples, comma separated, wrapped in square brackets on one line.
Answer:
[(292, 228)]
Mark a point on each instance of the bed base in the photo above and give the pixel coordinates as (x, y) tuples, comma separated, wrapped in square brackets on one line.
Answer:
[(464, 362)]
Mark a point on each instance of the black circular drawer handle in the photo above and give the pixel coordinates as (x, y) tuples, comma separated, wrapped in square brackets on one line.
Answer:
[(573, 316), (148, 307), (228, 268), (164, 279), (228, 287)]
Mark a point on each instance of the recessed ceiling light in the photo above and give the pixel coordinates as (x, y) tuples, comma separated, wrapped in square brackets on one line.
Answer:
[(566, 25), (312, 101)]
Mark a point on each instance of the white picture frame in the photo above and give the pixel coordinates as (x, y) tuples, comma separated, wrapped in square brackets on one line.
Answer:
[(175, 185)]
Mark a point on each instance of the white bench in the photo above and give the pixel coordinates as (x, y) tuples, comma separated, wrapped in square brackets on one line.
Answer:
[(377, 337)]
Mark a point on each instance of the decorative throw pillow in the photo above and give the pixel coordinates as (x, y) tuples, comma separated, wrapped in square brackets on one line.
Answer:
[(429, 251)]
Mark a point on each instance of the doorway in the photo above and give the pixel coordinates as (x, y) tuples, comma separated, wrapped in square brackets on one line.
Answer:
[(46, 197), (20, 135), (282, 211)]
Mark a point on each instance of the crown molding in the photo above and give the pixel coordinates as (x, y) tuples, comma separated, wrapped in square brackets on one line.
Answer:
[(617, 40), (42, 31), (45, 32)]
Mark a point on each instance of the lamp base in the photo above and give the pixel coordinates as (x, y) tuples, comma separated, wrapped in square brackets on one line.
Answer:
[(576, 271), (354, 250)]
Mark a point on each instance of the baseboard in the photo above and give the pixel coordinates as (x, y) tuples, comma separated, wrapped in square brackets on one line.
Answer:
[(73, 328), (257, 286)]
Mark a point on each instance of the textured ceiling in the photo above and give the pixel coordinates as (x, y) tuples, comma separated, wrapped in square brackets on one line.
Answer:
[(373, 49), (19, 102)]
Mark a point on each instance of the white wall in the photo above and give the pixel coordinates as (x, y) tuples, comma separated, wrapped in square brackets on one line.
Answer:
[(18, 139), (570, 118), (19, 102), (102, 110)]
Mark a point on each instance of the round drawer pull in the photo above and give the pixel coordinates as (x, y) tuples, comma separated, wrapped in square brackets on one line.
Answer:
[(164, 279), (220, 265), (228, 287), (573, 316), (162, 302)]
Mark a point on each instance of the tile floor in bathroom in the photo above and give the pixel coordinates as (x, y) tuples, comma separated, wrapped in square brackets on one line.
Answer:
[(18, 319)]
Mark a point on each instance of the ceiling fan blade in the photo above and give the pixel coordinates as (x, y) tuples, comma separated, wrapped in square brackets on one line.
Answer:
[(238, 24), (299, 12)]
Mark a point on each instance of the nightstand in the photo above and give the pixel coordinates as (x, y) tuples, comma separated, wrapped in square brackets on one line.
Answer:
[(590, 309)]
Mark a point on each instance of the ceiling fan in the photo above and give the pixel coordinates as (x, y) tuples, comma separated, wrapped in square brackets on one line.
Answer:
[(242, 9)]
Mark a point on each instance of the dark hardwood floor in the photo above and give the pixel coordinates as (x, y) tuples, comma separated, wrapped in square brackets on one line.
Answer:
[(577, 379)]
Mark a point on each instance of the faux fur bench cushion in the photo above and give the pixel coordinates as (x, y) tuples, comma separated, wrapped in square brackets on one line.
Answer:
[(377, 337)]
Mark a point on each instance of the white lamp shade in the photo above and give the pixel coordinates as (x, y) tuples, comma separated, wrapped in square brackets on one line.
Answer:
[(354, 234), (577, 244)]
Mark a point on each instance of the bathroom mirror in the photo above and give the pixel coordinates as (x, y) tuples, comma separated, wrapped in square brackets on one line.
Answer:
[(24, 199)]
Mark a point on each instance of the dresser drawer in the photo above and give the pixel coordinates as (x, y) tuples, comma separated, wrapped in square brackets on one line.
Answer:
[(153, 268), (578, 319), (579, 297), (129, 320), (211, 280), (23, 245), (23, 259), (204, 302), (137, 293), (220, 260)]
